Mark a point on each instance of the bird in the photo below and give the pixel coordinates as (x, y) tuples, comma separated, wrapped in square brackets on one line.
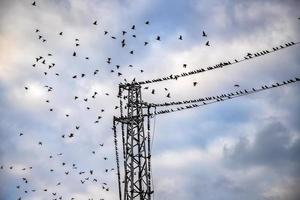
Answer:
[(133, 27), (33, 3), (204, 34), (21, 134), (95, 22), (236, 85), (153, 91), (74, 53), (61, 33), (147, 22), (26, 88), (180, 37), (184, 65), (168, 95), (207, 43), (158, 38), (145, 43), (194, 83)]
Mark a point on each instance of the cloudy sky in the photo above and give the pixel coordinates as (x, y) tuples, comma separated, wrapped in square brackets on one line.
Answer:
[(246, 148)]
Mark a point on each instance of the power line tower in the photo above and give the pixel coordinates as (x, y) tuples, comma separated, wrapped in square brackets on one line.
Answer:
[(135, 181)]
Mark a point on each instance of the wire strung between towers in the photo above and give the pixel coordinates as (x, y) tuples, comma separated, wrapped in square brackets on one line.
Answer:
[(219, 99), (248, 57)]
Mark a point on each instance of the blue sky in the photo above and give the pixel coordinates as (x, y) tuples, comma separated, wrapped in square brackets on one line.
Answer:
[(246, 148)]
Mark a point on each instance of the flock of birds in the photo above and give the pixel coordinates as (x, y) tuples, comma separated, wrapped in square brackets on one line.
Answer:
[(89, 175), (24, 186)]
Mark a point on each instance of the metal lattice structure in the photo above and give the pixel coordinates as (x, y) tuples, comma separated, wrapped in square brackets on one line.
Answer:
[(136, 145)]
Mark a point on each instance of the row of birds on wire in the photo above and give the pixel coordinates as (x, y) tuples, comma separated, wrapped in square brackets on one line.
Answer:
[(218, 98), (248, 56)]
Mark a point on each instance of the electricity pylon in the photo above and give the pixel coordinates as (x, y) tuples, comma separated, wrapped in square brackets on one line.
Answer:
[(135, 181)]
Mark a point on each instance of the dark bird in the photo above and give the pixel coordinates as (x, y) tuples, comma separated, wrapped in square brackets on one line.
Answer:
[(168, 95), (153, 91), (95, 22), (131, 52), (33, 3), (158, 38), (133, 27), (77, 44), (145, 43), (124, 32), (105, 32), (180, 37), (26, 88), (40, 143), (194, 83), (77, 127), (147, 22), (236, 85), (184, 65), (207, 43), (20, 134), (61, 33), (204, 34), (37, 30), (75, 76), (74, 54)]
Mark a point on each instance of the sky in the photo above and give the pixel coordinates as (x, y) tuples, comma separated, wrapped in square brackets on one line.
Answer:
[(245, 148)]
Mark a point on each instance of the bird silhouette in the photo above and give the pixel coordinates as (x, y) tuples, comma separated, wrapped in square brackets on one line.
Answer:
[(95, 22), (204, 34), (33, 3), (180, 37), (207, 43)]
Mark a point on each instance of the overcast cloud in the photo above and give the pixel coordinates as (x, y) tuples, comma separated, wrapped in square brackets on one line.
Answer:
[(246, 148)]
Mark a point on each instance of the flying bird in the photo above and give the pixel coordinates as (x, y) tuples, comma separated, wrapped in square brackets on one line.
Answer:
[(33, 3), (207, 43), (204, 34), (95, 22), (180, 37)]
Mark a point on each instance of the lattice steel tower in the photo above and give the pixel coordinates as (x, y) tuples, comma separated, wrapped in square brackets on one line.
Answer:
[(135, 180)]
